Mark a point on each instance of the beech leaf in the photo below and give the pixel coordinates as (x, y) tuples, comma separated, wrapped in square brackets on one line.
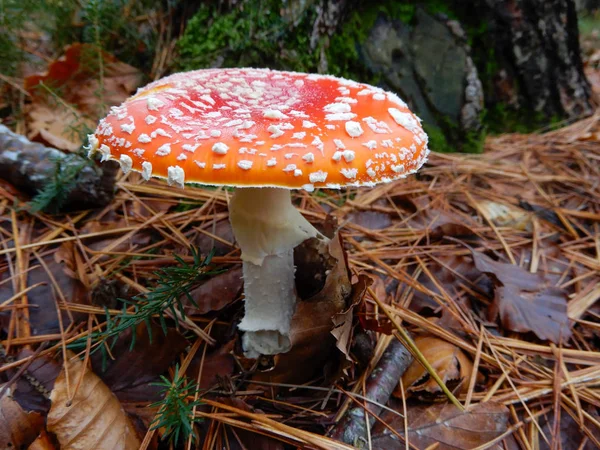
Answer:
[(450, 363), (444, 425), (94, 419)]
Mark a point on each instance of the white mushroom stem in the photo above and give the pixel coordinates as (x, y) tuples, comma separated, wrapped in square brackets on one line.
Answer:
[(267, 227)]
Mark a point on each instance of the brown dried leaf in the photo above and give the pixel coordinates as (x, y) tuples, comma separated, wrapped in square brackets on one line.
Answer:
[(506, 215), (343, 321), (83, 97), (371, 220), (450, 363), (133, 370), (43, 317), (570, 434), (525, 301), (94, 419), (18, 429), (216, 293), (444, 425), (216, 364), (34, 386), (43, 442), (450, 271)]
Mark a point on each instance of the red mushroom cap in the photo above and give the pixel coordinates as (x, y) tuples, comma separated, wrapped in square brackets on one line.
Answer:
[(259, 127)]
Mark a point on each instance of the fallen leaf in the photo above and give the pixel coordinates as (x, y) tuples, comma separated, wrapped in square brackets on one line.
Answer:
[(368, 315), (344, 320), (450, 363), (133, 370), (444, 425), (18, 429), (505, 215), (436, 218), (217, 364), (370, 220), (43, 442), (450, 271), (33, 387), (570, 434), (525, 301), (43, 318), (549, 216), (206, 243), (82, 96), (215, 293), (94, 419)]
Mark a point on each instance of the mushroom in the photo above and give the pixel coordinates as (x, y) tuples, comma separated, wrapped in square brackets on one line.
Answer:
[(264, 132)]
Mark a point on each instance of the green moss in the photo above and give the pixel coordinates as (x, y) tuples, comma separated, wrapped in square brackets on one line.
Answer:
[(343, 51), (255, 35), (437, 139), (501, 118), (441, 140), (589, 23)]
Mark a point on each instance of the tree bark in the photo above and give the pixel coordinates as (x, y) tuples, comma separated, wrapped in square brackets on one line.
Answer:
[(536, 44), (352, 428), (29, 166)]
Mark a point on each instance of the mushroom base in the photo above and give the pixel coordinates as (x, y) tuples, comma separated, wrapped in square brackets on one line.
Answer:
[(270, 304), (267, 227)]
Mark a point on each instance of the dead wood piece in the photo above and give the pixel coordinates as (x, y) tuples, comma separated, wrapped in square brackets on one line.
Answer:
[(382, 381), (29, 166)]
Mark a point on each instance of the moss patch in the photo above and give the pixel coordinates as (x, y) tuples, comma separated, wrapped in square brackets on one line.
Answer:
[(501, 118), (255, 35), (442, 140)]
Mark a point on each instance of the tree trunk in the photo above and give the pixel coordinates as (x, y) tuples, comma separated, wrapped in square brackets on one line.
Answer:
[(536, 45)]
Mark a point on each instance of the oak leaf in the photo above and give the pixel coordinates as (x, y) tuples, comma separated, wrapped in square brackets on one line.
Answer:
[(79, 96), (525, 301)]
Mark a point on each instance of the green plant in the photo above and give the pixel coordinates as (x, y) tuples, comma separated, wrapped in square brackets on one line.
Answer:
[(250, 34), (63, 180), (173, 284), (175, 410)]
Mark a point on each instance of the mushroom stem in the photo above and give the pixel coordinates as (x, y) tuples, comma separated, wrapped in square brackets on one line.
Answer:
[(267, 227)]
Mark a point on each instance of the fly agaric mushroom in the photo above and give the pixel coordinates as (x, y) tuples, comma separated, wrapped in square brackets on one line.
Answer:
[(264, 132)]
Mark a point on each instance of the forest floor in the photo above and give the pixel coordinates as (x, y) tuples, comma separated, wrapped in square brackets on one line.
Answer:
[(491, 262)]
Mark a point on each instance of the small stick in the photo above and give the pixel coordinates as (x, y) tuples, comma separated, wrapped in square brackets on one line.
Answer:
[(379, 386), (23, 372)]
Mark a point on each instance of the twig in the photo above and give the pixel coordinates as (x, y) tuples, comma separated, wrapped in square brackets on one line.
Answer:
[(23, 372), (352, 428), (416, 352)]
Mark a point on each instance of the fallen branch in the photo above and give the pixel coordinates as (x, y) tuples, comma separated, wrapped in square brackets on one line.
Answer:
[(382, 381), (30, 167)]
